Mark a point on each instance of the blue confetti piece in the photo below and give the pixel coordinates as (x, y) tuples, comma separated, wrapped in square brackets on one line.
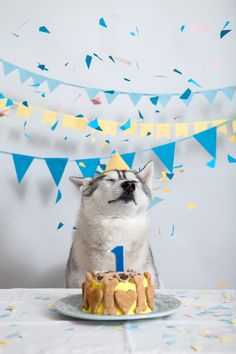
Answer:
[(178, 166), (53, 127), (66, 63), (107, 141), (224, 32), (231, 159), (126, 79), (194, 82), (177, 71), (25, 103), (14, 335), (59, 195), (132, 34), (102, 22), (226, 24), (14, 34), (88, 60), (211, 163), (66, 137), (140, 115), (42, 67), (154, 100), (26, 135), (172, 231), (44, 29), (97, 56), (132, 326), (111, 58), (75, 228), (157, 111), (126, 125), (182, 28), (79, 116), (149, 133), (186, 94), (60, 225), (25, 123)]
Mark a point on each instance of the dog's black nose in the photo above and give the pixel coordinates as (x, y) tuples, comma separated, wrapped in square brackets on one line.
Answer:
[(128, 186)]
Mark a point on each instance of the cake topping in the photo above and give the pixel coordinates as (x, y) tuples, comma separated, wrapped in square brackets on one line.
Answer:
[(99, 277), (141, 305), (123, 276)]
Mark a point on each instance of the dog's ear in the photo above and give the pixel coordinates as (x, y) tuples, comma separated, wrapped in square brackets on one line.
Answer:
[(146, 173), (79, 182)]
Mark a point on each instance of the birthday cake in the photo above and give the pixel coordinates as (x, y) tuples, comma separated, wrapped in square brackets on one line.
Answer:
[(118, 293)]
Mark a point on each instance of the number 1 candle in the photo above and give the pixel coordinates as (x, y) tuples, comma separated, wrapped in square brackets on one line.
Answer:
[(119, 254)]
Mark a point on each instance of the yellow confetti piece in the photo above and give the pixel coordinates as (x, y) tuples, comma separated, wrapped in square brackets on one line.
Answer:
[(222, 284), (232, 138), (93, 139), (167, 190), (228, 298), (164, 178), (228, 339), (181, 329), (4, 341), (119, 329), (82, 164), (234, 321), (196, 348), (51, 304), (191, 206)]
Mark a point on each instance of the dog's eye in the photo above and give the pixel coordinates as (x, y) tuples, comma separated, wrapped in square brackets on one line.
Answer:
[(110, 180)]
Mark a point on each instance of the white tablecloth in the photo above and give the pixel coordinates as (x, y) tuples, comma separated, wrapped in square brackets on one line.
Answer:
[(205, 323)]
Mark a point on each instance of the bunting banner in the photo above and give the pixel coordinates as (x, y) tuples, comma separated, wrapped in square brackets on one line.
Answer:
[(111, 95), (127, 127), (91, 166)]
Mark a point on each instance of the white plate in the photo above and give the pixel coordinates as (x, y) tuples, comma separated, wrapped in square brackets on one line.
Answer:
[(72, 306)]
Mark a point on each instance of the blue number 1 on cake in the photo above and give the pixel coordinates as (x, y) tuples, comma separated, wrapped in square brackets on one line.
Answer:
[(119, 254)]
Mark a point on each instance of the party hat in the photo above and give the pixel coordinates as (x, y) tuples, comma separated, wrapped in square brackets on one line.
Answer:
[(117, 163)]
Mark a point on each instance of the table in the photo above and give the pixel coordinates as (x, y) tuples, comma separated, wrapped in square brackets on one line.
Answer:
[(205, 323)]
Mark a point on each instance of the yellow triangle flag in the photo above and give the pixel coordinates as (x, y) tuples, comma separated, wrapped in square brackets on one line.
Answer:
[(222, 128), (117, 163), (200, 126), (49, 117), (108, 127), (74, 123), (23, 111), (181, 129), (163, 130), (146, 128)]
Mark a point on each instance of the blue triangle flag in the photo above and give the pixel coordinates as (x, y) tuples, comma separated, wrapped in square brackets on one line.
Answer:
[(8, 67), (110, 95), (91, 92), (56, 167), (154, 202), (210, 95), (166, 154), (207, 139), (21, 163), (135, 97), (154, 100), (94, 124), (24, 74), (129, 158), (90, 166), (229, 92), (9, 103), (164, 99), (52, 84), (126, 125), (38, 79), (186, 94), (231, 159)]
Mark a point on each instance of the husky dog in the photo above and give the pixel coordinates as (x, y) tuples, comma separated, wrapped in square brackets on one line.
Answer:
[(113, 212)]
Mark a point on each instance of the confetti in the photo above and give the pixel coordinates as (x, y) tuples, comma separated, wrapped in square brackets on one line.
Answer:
[(44, 29), (232, 138), (42, 67), (96, 101), (196, 348), (60, 225), (14, 34), (126, 79), (231, 159), (97, 56), (194, 82), (140, 115), (182, 28), (167, 190), (88, 60), (4, 341), (191, 206), (11, 308), (102, 22), (126, 125), (53, 127), (111, 58), (154, 100), (172, 231), (222, 284), (25, 103), (186, 94), (177, 71), (59, 195), (132, 34), (224, 32)]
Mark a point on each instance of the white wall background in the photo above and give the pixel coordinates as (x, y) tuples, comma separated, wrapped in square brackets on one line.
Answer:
[(202, 252)]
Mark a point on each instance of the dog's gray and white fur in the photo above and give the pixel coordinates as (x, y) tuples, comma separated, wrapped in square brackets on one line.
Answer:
[(113, 212)]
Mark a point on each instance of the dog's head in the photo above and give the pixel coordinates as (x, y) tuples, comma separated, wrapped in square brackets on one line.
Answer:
[(116, 193)]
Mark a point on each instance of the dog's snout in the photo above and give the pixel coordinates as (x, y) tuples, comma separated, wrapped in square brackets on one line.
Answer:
[(128, 186)]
